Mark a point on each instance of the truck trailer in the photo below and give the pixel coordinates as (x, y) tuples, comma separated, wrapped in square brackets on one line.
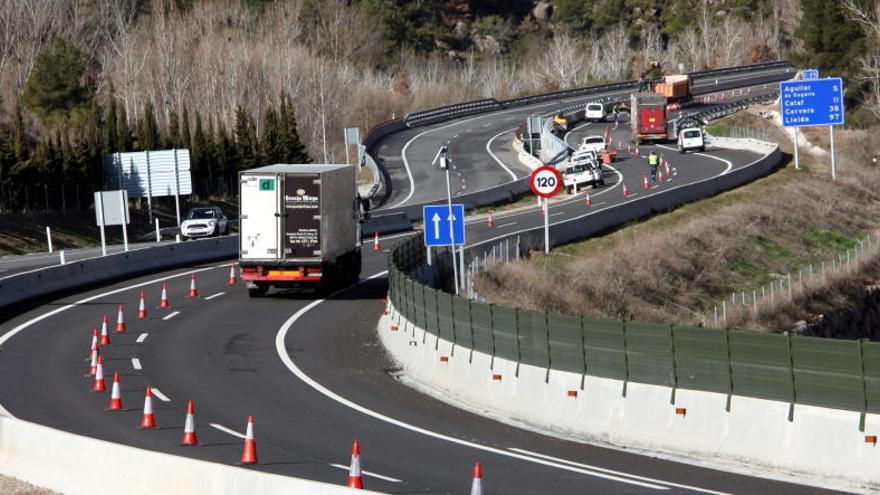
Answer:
[(300, 227), (648, 117), (675, 88)]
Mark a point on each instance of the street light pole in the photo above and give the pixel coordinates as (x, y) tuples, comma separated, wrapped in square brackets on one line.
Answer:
[(444, 165)]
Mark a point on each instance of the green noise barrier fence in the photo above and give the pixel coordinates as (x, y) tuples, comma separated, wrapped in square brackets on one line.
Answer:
[(838, 374)]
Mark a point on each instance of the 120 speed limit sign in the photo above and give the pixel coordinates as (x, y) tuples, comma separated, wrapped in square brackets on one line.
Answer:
[(545, 181)]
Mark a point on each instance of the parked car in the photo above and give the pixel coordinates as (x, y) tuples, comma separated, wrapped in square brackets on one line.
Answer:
[(691, 139), (204, 221), (594, 112), (584, 170)]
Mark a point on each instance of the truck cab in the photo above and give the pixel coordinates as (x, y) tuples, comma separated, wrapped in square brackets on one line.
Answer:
[(691, 139)]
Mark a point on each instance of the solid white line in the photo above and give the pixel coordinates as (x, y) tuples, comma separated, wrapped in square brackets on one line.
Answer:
[(605, 470), (728, 162), (217, 295), (285, 358), (412, 183), (171, 315), (136, 363), (12, 333), (369, 473), (142, 337), (494, 157), (160, 395), (227, 430)]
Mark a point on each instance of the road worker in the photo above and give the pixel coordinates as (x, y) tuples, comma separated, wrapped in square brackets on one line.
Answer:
[(653, 162)]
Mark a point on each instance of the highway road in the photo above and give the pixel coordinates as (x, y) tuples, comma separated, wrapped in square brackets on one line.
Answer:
[(312, 372)]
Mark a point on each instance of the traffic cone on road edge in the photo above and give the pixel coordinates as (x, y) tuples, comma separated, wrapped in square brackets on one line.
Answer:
[(588, 201), (491, 222), (99, 385), (189, 427), (94, 344), (148, 420), (93, 366), (105, 337), (193, 291), (477, 485), (142, 307), (625, 190), (232, 280), (249, 453), (355, 478), (164, 302), (115, 395), (120, 321), (376, 246)]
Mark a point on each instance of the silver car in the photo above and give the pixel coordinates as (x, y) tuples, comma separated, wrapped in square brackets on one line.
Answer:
[(204, 222)]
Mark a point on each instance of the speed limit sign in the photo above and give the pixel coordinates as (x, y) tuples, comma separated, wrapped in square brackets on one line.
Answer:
[(545, 181)]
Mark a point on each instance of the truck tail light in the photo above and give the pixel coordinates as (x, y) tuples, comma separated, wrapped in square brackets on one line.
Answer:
[(260, 270), (249, 270)]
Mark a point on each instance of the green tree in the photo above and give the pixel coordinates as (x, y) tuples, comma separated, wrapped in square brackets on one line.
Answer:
[(198, 149), (55, 85), (245, 139), (185, 138), (19, 138), (172, 134), (292, 148), (148, 131), (832, 42), (270, 141), (123, 132), (111, 123)]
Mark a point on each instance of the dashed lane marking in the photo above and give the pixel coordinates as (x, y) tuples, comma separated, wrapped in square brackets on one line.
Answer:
[(369, 473), (171, 315), (505, 225), (136, 364), (142, 337), (215, 295), (158, 393), (227, 430)]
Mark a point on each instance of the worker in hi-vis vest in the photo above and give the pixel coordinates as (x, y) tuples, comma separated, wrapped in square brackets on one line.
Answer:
[(653, 162)]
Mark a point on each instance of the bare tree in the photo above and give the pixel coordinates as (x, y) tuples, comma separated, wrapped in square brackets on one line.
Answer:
[(869, 18)]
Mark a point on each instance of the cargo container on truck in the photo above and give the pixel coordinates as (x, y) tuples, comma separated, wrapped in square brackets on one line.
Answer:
[(648, 117), (675, 88), (300, 227)]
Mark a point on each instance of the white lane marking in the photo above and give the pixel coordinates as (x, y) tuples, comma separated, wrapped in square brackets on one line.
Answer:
[(508, 224), (170, 315), (412, 182), (158, 393), (552, 214), (436, 156), (369, 473), (221, 293), (136, 364), (12, 333), (494, 157), (227, 430), (606, 470), (728, 162), (285, 358), (142, 337)]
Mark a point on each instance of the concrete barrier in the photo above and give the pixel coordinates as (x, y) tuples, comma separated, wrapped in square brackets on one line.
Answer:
[(74, 464), (820, 446)]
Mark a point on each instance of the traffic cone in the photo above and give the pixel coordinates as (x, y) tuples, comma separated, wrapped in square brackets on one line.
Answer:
[(115, 396), (142, 307), (105, 337), (232, 280), (249, 453), (120, 321), (93, 367), (189, 427), (477, 485), (376, 246), (164, 303), (637, 151), (625, 190), (666, 166), (645, 181), (588, 201), (148, 420), (99, 385), (491, 222), (660, 174), (355, 478), (193, 291), (94, 343)]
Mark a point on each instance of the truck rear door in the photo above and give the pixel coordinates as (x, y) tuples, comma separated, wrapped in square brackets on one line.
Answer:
[(260, 217), (652, 120)]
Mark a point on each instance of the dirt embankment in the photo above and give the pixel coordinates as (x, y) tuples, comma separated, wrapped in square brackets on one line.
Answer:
[(676, 267)]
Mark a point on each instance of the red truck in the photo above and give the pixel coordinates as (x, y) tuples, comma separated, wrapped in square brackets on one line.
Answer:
[(648, 111)]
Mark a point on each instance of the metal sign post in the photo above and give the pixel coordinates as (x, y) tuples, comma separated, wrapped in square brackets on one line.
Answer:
[(176, 189), (445, 166), (352, 137), (123, 212), (99, 211), (545, 183)]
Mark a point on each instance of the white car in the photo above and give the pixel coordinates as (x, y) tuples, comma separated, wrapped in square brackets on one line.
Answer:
[(584, 169), (595, 112), (691, 139), (204, 222), (595, 144)]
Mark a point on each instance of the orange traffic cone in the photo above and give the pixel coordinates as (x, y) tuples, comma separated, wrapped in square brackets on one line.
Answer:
[(148, 420), (625, 190), (491, 222), (99, 385), (637, 151), (142, 307), (193, 292), (105, 337), (477, 485), (355, 478), (376, 246), (94, 343), (164, 302), (93, 366), (120, 321), (660, 174), (232, 280), (189, 427), (588, 201), (115, 396), (249, 453), (645, 181), (666, 166)]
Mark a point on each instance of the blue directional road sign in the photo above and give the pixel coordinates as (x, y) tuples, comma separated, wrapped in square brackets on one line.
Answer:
[(812, 102), (437, 232)]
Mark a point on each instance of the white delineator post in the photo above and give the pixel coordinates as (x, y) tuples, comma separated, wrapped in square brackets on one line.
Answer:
[(123, 206), (49, 238), (99, 205), (158, 232)]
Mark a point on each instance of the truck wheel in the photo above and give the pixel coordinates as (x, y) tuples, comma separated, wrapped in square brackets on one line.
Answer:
[(258, 291)]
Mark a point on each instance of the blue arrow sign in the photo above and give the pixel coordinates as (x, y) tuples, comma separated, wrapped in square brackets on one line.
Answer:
[(437, 232), (812, 102)]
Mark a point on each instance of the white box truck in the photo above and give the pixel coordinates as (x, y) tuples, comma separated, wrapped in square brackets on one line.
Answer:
[(300, 227)]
